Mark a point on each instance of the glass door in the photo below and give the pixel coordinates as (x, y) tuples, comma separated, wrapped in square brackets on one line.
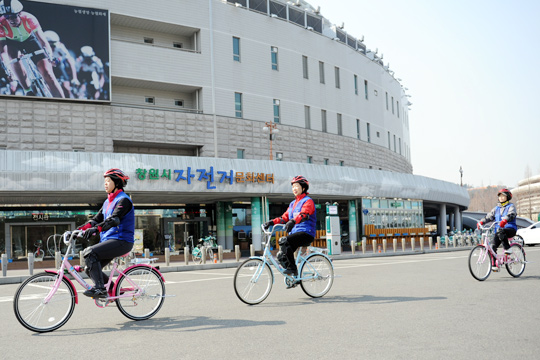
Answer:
[(24, 238)]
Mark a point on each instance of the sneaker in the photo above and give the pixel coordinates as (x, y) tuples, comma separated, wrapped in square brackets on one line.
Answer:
[(293, 285), (96, 293), (290, 272), (508, 251), (494, 268)]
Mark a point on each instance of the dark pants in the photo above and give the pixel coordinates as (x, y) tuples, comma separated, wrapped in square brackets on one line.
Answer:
[(100, 255), (288, 245), (501, 237)]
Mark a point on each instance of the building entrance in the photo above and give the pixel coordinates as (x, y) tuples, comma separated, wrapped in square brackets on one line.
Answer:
[(23, 238), (179, 231)]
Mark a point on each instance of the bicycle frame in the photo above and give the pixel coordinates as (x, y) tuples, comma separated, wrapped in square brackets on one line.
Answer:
[(301, 258), (34, 76), (499, 259), (66, 266)]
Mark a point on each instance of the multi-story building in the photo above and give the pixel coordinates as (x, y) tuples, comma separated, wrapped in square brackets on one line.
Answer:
[(210, 106)]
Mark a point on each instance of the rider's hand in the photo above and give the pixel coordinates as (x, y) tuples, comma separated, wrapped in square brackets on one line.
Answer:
[(267, 224), (479, 224), (75, 82), (503, 223), (88, 233), (289, 225)]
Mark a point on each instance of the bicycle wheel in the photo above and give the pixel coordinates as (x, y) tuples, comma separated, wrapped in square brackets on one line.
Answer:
[(516, 263), (253, 281), (33, 313), (480, 262), (317, 275), (147, 289), (210, 254), (197, 255), (39, 254)]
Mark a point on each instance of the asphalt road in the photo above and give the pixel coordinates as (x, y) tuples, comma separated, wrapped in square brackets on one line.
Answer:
[(403, 307)]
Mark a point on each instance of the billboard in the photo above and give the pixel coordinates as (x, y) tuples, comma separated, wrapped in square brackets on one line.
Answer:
[(54, 51)]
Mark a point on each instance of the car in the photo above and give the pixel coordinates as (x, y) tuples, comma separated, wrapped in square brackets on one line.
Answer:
[(530, 235)]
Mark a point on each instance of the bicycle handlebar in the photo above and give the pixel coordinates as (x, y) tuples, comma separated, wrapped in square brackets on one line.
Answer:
[(68, 236), (26, 56), (271, 230)]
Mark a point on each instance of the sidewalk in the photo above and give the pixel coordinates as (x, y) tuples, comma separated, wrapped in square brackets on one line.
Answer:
[(18, 275)]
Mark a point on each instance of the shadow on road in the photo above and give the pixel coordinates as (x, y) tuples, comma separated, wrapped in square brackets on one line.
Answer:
[(356, 299)]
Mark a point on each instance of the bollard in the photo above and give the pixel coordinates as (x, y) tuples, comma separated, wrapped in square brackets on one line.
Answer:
[(186, 255), (421, 244), (438, 242), (353, 247), (384, 243), (203, 255), (251, 250), (237, 252), (31, 263), (167, 256), (82, 263), (403, 244), (446, 241), (454, 241), (364, 244), (374, 246), (394, 244), (4, 264), (57, 259), (430, 242), (220, 253), (147, 253), (413, 244)]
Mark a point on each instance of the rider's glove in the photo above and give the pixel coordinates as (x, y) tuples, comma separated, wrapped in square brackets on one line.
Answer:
[(90, 232), (503, 223), (479, 224), (289, 225), (267, 224)]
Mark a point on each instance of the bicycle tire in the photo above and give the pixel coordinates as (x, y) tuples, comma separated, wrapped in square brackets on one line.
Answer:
[(39, 254), (480, 261), (196, 255), (145, 302), (253, 281), (319, 274), (516, 266), (37, 316), (210, 253)]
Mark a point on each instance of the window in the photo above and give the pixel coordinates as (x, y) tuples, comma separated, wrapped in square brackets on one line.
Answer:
[(399, 146), (355, 85), (178, 102), (397, 108), (177, 45), (148, 40), (238, 105), (240, 153), (274, 52), (310, 159), (305, 67), (389, 146), (387, 100), (392, 105), (236, 48), (326, 162), (150, 100), (279, 156), (394, 143), (339, 124), (323, 120), (276, 111), (366, 89), (321, 72), (307, 115), (336, 71), (341, 163), (368, 133), (358, 129)]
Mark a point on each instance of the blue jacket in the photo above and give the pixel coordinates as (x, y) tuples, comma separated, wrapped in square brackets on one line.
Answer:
[(507, 212), (126, 230)]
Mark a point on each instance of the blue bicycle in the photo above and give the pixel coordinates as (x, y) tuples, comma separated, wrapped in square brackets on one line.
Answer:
[(254, 278)]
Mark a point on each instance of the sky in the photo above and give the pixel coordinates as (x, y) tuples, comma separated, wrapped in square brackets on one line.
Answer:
[(472, 68)]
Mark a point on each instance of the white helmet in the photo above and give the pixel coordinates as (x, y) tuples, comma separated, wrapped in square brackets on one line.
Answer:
[(10, 7), (87, 51), (51, 36)]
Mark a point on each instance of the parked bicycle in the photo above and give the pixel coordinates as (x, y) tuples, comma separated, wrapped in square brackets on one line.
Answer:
[(46, 301), (39, 253), (37, 83), (482, 257), (254, 278), (205, 245)]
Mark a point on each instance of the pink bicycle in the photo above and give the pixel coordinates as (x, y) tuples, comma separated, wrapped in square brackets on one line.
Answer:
[(482, 257), (46, 301)]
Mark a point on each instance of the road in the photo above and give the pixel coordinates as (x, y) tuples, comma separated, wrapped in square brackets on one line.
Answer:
[(424, 306)]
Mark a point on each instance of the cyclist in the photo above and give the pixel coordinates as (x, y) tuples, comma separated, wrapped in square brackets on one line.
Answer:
[(115, 223), (91, 74), (65, 71), (504, 216), (300, 222), (20, 32)]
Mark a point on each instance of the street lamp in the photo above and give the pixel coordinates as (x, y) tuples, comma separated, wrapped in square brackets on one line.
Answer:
[(272, 129), (461, 172)]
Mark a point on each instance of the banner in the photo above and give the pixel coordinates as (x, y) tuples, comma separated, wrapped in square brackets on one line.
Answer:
[(54, 51)]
